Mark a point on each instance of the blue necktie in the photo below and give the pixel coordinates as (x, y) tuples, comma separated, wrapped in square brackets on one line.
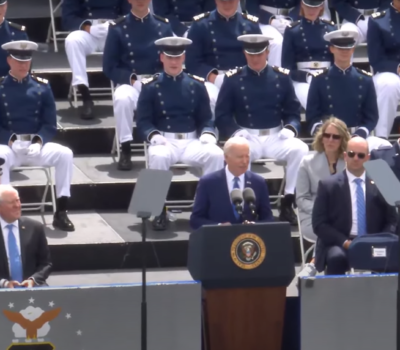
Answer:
[(235, 185), (14, 256), (361, 213)]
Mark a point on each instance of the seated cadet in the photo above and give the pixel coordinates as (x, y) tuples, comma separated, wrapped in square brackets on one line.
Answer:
[(173, 111), (215, 48), (180, 13), (304, 51), (28, 124), (356, 14), (88, 21), (384, 57), (8, 32), (130, 56), (344, 91), (348, 205), (255, 101)]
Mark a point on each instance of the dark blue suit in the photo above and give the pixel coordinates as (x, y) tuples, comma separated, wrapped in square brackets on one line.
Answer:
[(76, 12), (332, 219), (9, 32), (178, 11), (348, 95), (215, 45), (130, 47), (303, 41), (383, 40), (212, 209), (176, 105), (347, 9), (253, 7), (256, 101), (26, 107), (390, 155)]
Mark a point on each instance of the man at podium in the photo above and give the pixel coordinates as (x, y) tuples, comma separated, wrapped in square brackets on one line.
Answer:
[(219, 199)]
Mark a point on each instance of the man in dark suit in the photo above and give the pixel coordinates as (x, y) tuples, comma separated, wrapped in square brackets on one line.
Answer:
[(213, 204), (390, 154), (25, 257), (348, 205)]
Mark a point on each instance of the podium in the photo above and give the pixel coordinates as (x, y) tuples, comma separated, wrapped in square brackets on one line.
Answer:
[(244, 271)]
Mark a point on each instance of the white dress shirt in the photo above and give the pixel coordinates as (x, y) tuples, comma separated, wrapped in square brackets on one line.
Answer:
[(353, 194), (230, 180)]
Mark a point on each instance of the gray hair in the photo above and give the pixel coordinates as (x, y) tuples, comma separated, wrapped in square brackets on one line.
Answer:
[(235, 141), (4, 189)]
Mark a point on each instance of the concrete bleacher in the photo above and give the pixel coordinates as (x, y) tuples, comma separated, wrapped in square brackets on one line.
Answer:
[(106, 237)]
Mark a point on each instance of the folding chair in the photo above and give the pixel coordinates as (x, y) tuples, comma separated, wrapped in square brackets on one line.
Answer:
[(304, 255), (53, 34), (49, 185)]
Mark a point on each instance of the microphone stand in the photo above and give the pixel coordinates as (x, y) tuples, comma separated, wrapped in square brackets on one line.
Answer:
[(239, 210)]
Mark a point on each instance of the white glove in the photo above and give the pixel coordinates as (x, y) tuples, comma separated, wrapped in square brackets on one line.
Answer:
[(309, 78), (219, 80), (34, 150), (208, 138), (285, 134), (20, 147), (158, 140), (99, 31), (280, 24), (243, 133)]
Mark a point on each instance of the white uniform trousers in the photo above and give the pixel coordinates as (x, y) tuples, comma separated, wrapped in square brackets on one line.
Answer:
[(78, 45), (290, 150), (51, 155), (301, 90), (376, 142), (387, 86), (209, 157), (275, 45)]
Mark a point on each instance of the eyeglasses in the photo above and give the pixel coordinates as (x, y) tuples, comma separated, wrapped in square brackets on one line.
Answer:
[(331, 136), (352, 154)]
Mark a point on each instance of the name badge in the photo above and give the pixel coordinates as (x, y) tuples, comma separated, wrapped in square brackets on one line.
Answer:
[(378, 252)]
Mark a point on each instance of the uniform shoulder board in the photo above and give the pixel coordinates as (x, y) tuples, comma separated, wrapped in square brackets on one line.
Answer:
[(196, 78), (201, 16), (2, 80), (149, 80), (364, 72), (17, 26), (40, 80), (162, 19), (118, 20), (327, 22), (378, 14), (232, 72), (281, 70), (250, 17), (294, 24)]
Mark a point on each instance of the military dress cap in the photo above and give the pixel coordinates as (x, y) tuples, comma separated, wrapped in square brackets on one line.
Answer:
[(344, 39), (20, 50), (173, 46), (254, 44), (2, 2), (313, 3)]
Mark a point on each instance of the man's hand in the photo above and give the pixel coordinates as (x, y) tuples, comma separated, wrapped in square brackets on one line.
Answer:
[(158, 139), (243, 133), (12, 284), (212, 77), (280, 24), (208, 138), (346, 244), (246, 222), (28, 283), (34, 149), (86, 28), (225, 224), (99, 31), (285, 134)]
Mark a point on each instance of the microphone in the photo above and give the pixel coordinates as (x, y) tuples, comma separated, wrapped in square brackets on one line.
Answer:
[(237, 200), (250, 198)]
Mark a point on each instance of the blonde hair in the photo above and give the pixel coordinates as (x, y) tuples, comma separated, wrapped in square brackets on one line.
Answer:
[(341, 127), (302, 11)]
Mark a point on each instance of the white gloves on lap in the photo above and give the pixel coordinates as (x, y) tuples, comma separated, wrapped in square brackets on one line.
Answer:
[(34, 150), (99, 31), (285, 134), (280, 24), (219, 80), (158, 139), (243, 133), (20, 147), (208, 138)]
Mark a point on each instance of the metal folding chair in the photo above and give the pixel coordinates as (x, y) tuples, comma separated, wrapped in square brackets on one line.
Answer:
[(304, 255), (53, 34)]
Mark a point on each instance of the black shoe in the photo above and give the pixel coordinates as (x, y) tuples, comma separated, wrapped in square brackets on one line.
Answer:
[(160, 222), (62, 222), (287, 213), (87, 110), (125, 162)]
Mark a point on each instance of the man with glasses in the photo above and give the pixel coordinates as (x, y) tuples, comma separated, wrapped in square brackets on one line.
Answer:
[(348, 205), (344, 91)]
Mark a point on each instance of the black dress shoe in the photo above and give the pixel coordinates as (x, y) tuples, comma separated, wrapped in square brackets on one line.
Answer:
[(160, 222), (125, 162), (62, 222), (87, 110), (287, 213)]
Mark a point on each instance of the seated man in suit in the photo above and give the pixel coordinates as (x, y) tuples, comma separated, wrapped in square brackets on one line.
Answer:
[(348, 205), (25, 257), (213, 204)]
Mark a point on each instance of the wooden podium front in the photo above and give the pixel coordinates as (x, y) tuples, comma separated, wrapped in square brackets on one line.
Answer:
[(245, 318)]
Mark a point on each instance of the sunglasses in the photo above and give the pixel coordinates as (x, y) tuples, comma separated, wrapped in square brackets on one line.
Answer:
[(352, 154), (331, 136)]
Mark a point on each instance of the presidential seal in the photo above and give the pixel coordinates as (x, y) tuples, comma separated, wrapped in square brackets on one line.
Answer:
[(248, 251)]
